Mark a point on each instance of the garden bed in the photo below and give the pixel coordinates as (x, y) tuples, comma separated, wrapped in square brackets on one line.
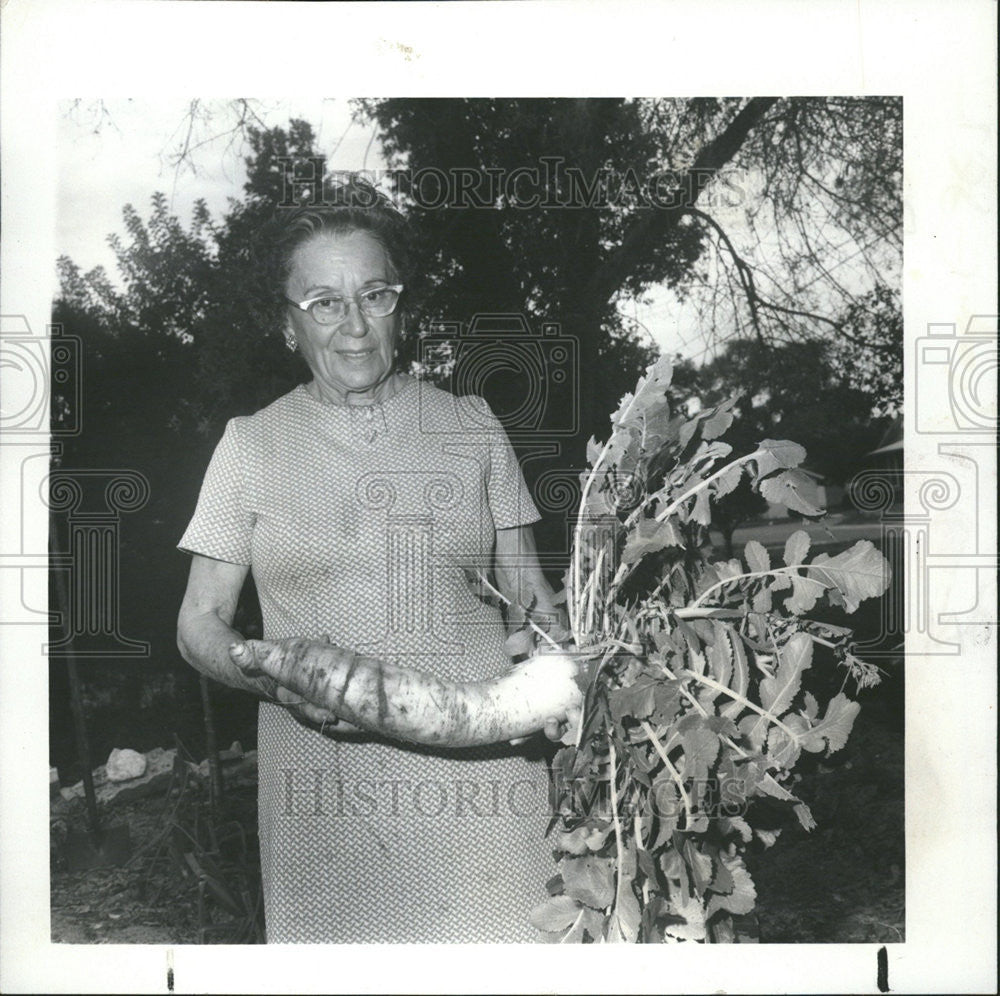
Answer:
[(843, 882)]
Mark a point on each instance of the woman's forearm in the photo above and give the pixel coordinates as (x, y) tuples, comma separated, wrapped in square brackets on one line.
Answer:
[(204, 624), (204, 641), (520, 578)]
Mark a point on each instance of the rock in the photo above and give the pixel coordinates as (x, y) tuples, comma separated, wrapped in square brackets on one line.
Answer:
[(159, 767), (124, 765), (154, 781), (240, 767), (232, 753)]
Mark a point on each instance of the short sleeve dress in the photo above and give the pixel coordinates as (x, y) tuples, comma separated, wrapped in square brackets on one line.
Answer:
[(362, 523)]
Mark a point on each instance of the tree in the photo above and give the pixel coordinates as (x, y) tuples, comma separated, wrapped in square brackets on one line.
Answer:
[(778, 219), (185, 341), (560, 210), (630, 194), (196, 327), (870, 351)]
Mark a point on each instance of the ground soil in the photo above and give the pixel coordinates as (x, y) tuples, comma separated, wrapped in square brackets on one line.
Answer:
[(843, 882), (193, 876)]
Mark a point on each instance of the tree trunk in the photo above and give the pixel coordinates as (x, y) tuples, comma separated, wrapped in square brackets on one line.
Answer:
[(727, 539)]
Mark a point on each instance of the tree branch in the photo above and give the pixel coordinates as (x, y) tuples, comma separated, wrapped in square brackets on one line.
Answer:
[(756, 301), (652, 225), (743, 269)]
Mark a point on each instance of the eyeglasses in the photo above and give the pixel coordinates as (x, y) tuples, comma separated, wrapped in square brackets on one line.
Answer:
[(377, 302)]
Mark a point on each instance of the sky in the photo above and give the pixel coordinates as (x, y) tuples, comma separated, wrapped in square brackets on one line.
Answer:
[(120, 151)]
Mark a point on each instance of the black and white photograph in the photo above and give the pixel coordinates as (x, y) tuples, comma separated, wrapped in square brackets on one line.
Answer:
[(492, 514)]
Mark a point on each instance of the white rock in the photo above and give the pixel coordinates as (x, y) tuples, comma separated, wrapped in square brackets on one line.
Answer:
[(125, 764)]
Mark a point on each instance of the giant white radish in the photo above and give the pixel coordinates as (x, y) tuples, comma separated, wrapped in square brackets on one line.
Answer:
[(414, 706)]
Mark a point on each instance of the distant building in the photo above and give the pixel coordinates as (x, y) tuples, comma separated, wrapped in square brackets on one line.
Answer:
[(886, 460), (888, 455)]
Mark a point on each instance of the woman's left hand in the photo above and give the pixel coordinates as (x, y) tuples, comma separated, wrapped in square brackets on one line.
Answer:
[(312, 715)]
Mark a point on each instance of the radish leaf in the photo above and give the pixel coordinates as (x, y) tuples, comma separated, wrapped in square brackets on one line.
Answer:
[(793, 489), (796, 548), (743, 895), (778, 454), (556, 913), (757, 557), (678, 729), (856, 574), (776, 693), (589, 879), (832, 731), (650, 536)]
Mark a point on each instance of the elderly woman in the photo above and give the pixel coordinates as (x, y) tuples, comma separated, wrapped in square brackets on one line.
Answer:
[(360, 500)]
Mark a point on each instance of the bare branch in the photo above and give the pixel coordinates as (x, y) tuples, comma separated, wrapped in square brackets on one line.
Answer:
[(743, 270), (652, 225)]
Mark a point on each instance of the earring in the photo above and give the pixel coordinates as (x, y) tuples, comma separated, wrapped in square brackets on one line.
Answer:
[(291, 343)]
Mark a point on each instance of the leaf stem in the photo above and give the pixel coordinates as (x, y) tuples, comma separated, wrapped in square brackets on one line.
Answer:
[(744, 701), (792, 570), (704, 712), (503, 598), (742, 577), (691, 612), (625, 569), (691, 492), (649, 499), (671, 770), (613, 757), (573, 925), (588, 484)]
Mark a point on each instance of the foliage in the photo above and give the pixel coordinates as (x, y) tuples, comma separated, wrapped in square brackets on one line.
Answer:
[(187, 339), (869, 348), (210, 850), (795, 384), (802, 384), (697, 703), (190, 340), (827, 226), (630, 194), (193, 320), (616, 197)]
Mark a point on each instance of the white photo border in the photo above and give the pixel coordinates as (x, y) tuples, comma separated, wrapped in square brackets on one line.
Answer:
[(940, 56)]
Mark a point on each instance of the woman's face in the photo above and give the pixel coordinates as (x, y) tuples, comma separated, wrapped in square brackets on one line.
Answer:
[(354, 357)]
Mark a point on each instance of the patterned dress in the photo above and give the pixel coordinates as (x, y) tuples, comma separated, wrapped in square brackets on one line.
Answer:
[(359, 522)]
